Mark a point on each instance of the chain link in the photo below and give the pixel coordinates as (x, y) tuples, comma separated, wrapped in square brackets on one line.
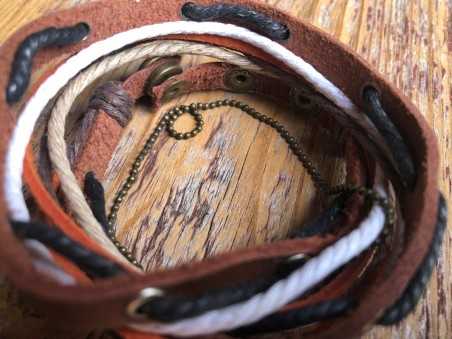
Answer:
[(166, 123)]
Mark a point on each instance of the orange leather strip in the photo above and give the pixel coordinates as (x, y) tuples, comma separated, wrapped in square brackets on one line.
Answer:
[(70, 268), (55, 213)]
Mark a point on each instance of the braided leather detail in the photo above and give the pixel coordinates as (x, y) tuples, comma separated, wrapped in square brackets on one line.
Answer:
[(408, 301), (295, 318), (237, 14), (96, 198), (22, 65), (390, 133), (172, 308), (325, 222), (91, 263)]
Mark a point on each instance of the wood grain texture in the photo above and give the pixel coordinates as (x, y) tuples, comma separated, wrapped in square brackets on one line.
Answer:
[(409, 41), (234, 185)]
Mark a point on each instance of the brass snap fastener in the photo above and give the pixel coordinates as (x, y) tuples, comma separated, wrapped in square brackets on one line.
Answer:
[(176, 113), (239, 80), (133, 308), (164, 72), (175, 89)]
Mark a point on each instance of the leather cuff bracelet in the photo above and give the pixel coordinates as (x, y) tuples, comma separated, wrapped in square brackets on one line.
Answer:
[(364, 260)]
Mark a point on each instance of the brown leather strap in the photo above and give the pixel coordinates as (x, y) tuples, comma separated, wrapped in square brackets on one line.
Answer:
[(86, 305)]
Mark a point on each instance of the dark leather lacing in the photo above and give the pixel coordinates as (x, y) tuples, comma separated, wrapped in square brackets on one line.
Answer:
[(295, 318), (418, 284), (390, 133), (237, 14), (325, 222), (173, 308), (90, 262), (337, 307), (96, 198), (22, 65)]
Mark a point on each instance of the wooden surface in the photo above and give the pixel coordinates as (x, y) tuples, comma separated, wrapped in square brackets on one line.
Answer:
[(234, 185), (408, 41)]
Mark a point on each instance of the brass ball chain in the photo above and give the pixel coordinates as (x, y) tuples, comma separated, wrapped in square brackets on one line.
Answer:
[(167, 123)]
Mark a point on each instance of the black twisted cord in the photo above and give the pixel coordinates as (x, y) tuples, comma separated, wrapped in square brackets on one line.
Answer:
[(388, 130), (412, 294), (295, 318), (23, 59), (237, 14), (91, 263), (96, 198), (173, 308), (323, 223)]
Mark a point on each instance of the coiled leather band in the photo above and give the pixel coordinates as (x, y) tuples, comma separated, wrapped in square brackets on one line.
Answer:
[(419, 205)]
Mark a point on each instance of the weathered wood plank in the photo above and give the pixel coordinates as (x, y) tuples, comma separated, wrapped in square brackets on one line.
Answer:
[(235, 185)]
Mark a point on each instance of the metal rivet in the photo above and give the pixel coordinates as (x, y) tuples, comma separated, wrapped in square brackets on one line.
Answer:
[(298, 257), (149, 62), (175, 89), (239, 80), (163, 72), (143, 297)]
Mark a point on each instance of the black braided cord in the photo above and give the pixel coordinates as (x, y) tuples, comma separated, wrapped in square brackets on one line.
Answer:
[(172, 308), (418, 284), (295, 318), (388, 130), (96, 198), (91, 263), (325, 222), (239, 15), (23, 59)]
